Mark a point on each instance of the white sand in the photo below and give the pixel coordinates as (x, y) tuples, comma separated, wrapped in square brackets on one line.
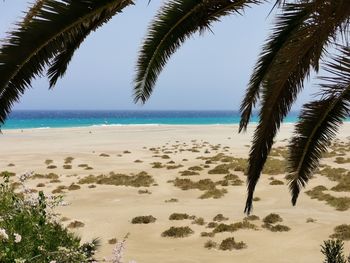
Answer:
[(107, 210)]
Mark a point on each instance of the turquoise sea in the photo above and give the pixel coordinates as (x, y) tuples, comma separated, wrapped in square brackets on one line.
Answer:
[(59, 119)]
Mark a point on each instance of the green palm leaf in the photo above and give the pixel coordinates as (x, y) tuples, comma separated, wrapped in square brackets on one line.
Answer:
[(176, 21), (286, 77), (319, 122), (29, 49)]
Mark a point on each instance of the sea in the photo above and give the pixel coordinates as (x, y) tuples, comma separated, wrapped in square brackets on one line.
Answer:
[(29, 119)]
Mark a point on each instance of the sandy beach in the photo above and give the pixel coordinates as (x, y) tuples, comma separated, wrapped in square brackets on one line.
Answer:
[(107, 210)]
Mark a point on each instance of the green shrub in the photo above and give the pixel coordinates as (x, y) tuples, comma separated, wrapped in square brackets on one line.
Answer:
[(104, 155), (207, 234), (51, 176), (199, 221), (30, 234), (178, 232), (213, 193), (51, 167), (252, 218), (188, 173), (73, 187), (143, 219), (276, 182), (76, 224), (67, 166), (68, 160)]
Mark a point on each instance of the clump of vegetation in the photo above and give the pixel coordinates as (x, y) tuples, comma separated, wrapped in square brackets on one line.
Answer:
[(112, 241), (276, 182), (7, 174), (67, 166), (179, 216), (89, 168), (126, 152), (341, 232), (27, 226), (195, 168), (51, 166), (40, 185), (83, 165), (279, 152), (256, 199), (340, 203), (157, 165), (48, 162), (165, 156), (220, 218), (172, 167), (274, 166), (73, 187), (230, 244), (270, 223), (252, 218), (138, 161), (186, 184), (172, 200), (104, 155), (11, 165), (143, 219), (210, 244), (220, 169), (51, 176), (342, 160), (213, 193), (144, 191), (59, 189), (141, 179), (178, 232), (310, 220), (188, 173), (272, 218), (68, 160), (76, 224), (199, 221), (212, 225), (207, 234)]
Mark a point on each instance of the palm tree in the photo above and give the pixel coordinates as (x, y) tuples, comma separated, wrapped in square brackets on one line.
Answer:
[(304, 34)]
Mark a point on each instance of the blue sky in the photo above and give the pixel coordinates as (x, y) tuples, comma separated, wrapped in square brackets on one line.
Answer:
[(209, 72)]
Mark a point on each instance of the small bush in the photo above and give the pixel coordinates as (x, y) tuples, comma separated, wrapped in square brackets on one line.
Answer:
[(172, 200), (230, 244), (51, 167), (67, 166), (207, 234), (179, 216), (104, 155), (40, 185), (277, 228), (210, 244), (212, 225), (112, 241), (341, 232), (73, 187), (272, 219), (178, 232), (76, 224), (48, 162), (188, 173), (195, 168), (219, 218), (252, 218), (51, 176), (144, 191), (276, 182), (68, 160), (199, 221), (157, 165), (143, 219)]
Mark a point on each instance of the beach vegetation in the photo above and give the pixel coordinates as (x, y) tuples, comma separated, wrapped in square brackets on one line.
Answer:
[(172, 167), (48, 161), (207, 234), (213, 193), (276, 182), (29, 231), (76, 224), (157, 165), (272, 218), (67, 166), (40, 185), (188, 173), (252, 218), (83, 165), (339, 203), (51, 166), (212, 224), (73, 187), (230, 244), (199, 221), (179, 216), (341, 232), (126, 152), (142, 179), (59, 190), (6, 174), (220, 218), (112, 241), (51, 176), (11, 165), (210, 244), (144, 191), (68, 160), (178, 232), (143, 219), (104, 155)]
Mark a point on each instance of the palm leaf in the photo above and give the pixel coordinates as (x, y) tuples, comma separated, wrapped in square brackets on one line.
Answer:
[(319, 122), (29, 49), (59, 64), (287, 25), (286, 77), (176, 21)]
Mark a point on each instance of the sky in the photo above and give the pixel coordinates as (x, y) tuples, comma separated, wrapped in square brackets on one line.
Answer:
[(209, 72)]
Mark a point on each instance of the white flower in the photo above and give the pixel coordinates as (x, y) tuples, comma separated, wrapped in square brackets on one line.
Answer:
[(53, 261), (18, 237), (3, 235)]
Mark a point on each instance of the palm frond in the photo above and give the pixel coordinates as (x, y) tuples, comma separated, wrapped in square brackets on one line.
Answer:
[(286, 76), (176, 21), (319, 122), (59, 63), (29, 49), (287, 25)]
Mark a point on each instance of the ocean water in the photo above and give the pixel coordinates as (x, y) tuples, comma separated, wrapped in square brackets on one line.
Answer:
[(61, 119)]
